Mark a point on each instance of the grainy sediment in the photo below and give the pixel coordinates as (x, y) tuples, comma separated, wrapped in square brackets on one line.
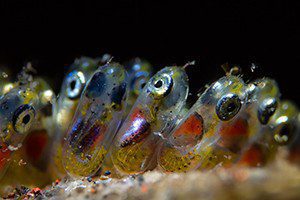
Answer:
[(280, 180)]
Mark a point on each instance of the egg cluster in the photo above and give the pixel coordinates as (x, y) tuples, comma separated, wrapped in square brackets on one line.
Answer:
[(125, 120)]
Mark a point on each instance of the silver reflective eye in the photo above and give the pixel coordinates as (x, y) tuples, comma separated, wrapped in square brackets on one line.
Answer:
[(228, 106), (161, 85), (266, 110), (75, 83), (23, 118)]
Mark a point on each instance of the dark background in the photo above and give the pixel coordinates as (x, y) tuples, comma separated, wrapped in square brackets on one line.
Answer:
[(51, 34)]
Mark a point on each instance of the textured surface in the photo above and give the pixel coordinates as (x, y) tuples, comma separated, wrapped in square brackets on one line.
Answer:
[(280, 180)]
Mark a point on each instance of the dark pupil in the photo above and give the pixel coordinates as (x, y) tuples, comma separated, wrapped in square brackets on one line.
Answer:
[(26, 119), (158, 84), (231, 107), (143, 85), (285, 130), (73, 84)]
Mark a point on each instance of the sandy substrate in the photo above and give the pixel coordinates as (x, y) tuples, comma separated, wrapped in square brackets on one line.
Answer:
[(280, 180)]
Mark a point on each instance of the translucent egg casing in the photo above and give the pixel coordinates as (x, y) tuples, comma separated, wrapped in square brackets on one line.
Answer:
[(263, 103), (25, 135), (152, 116), (13, 132), (74, 82), (212, 131), (97, 118)]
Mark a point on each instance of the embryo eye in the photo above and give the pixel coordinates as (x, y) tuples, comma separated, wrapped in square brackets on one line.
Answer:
[(228, 106), (284, 134), (161, 86), (23, 118), (266, 110), (75, 84)]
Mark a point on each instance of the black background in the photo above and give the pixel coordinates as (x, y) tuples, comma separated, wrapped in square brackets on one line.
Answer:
[(51, 34)]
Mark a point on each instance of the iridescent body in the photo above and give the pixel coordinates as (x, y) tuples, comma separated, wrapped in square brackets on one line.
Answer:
[(139, 72), (72, 87), (213, 131), (97, 118), (26, 115), (153, 115)]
